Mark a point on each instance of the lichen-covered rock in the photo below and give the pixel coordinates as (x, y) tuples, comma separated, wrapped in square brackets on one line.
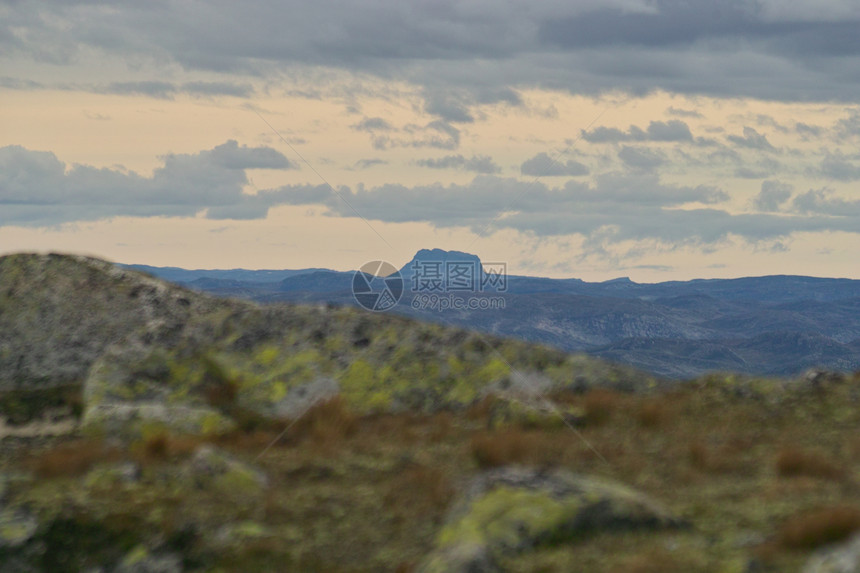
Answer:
[(511, 510), (148, 353), (236, 534), (59, 313), (842, 558), (141, 560), (17, 527)]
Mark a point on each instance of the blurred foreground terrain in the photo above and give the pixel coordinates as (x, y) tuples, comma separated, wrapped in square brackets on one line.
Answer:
[(145, 427)]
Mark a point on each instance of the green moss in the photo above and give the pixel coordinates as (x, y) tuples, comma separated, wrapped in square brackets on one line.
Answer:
[(359, 387), (493, 371), (267, 355)]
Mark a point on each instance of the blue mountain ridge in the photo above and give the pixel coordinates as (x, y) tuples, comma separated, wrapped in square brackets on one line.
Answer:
[(778, 325)]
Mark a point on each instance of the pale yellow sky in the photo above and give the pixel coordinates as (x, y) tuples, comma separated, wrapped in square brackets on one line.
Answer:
[(133, 133)]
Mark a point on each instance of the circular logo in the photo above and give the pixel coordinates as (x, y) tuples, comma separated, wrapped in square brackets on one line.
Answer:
[(377, 286)]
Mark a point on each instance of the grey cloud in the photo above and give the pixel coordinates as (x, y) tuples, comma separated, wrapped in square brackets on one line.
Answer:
[(36, 188), (849, 126), (447, 107), (367, 163), (218, 88), (373, 124), (823, 202), (839, 168), (772, 196), (641, 158), (736, 48), (168, 90), (751, 139), (671, 110), (807, 131), (156, 89), (616, 207), (542, 165), (476, 163), (231, 155), (672, 130), (676, 23), (437, 134), (605, 135)]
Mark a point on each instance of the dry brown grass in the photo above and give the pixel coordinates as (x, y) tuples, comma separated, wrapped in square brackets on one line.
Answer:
[(161, 446), (794, 462), (815, 528), (600, 405), (515, 446), (653, 413), (72, 458), (653, 561), (327, 423), (420, 488), (724, 459)]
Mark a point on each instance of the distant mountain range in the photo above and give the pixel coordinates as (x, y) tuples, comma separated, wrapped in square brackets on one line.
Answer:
[(772, 325)]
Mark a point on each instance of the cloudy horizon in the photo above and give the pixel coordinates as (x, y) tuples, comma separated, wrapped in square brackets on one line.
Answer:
[(659, 140)]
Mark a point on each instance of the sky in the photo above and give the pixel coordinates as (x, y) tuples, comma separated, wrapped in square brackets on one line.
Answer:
[(653, 139)]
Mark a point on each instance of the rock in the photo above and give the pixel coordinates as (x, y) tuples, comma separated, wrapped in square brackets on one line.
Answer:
[(59, 313), (149, 355), (140, 560), (109, 474), (842, 558), (235, 534), (819, 379), (210, 466), (17, 527), (301, 398), (511, 510)]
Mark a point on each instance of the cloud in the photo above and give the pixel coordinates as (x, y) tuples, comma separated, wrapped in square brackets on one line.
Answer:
[(838, 168), (823, 202), (476, 163), (615, 207), (641, 158), (231, 155), (751, 139), (849, 127), (167, 90), (671, 110), (772, 196), (38, 189), (807, 131), (372, 125), (437, 134), (368, 163), (542, 165), (461, 55), (672, 130)]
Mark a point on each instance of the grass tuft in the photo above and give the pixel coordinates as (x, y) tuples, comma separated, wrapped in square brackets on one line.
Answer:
[(794, 462), (515, 446), (819, 527)]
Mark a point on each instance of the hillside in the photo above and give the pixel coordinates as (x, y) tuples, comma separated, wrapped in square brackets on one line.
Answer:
[(775, 325), (210, 434)]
